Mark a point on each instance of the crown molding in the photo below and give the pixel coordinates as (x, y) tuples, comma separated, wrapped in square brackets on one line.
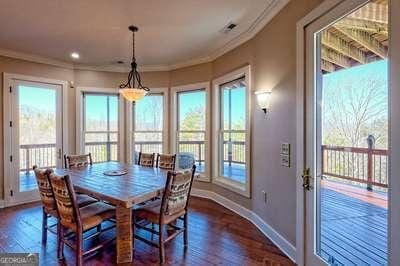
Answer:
[(35, 58), (268, 13)]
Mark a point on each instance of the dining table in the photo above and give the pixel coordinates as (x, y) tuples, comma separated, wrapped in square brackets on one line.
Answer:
[(122, 185)]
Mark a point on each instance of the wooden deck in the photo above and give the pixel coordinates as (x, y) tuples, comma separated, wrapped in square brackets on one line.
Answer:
[(353, 225)]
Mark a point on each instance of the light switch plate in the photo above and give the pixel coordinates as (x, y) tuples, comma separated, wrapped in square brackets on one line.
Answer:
[(285, 148), (285, 160)]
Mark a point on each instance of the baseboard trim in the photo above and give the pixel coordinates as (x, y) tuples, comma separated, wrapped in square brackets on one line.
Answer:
[(265, 228), (2, 205)]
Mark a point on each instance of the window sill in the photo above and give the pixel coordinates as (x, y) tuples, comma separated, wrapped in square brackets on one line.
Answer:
[(201, 177), (242, 189)]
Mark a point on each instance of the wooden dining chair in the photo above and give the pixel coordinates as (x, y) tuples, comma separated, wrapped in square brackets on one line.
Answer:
[(77, 160), (78, 220), (173, 206), (146, 159), (166, 161), (49, 208)]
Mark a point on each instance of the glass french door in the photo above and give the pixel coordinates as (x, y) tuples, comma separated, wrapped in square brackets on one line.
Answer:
[(36, 135), (345, 175)]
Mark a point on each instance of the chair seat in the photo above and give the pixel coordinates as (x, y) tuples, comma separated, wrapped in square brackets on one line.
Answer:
[(84, 200), (151, 212), (94, 214)]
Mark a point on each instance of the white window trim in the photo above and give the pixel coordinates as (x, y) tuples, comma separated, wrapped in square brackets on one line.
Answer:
[(205, 176), (8, 79), (79, 119), (242, 189), (129, 125)]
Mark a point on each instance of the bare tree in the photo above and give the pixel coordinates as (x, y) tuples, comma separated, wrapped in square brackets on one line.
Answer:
[(353, 110)]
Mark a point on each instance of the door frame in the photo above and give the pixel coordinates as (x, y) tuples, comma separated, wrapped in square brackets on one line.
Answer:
[(8, 79), (394, 124)]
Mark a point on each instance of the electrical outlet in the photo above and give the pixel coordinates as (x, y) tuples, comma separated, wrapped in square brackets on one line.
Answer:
[(265, 196)]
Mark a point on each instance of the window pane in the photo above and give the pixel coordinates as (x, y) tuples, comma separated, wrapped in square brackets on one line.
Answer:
[(113, 113), (148, 123), (234, 107), (95, 112), (148, 113), (192, 110), (101, 121), (192, 125), (233, 122)]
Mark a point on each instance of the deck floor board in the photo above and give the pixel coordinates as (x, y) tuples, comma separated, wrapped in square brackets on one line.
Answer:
[(353, 230)]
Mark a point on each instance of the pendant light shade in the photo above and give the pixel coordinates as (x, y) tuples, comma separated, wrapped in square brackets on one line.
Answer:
[(133, 94), (133, 90)]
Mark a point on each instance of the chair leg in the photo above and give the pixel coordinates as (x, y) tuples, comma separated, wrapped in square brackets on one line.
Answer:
[(44, 228), (79, 248), (161, 244), (185, 230), (60, 241), (99, 228)]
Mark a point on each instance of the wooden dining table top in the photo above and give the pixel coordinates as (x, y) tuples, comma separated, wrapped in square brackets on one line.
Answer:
[(138, 185)]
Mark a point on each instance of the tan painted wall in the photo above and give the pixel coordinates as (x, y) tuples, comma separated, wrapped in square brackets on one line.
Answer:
[(271, 54)]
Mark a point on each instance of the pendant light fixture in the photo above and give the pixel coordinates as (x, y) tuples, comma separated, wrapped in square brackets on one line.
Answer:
[(133, 90)]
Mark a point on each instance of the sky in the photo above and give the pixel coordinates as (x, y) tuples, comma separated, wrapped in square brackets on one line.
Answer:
[(351, 87)]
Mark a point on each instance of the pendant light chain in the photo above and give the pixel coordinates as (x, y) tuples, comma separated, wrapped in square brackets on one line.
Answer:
[(134, 76)]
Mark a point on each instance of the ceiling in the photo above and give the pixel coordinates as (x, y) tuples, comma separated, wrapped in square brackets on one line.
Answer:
[(359, 38), (171, 33)]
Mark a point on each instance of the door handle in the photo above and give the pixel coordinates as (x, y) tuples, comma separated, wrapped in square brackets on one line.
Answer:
[(307, 179)]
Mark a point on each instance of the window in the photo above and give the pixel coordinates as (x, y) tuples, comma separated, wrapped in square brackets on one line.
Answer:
[(190, 123), (231, 120), (148, 124), (101, 126)]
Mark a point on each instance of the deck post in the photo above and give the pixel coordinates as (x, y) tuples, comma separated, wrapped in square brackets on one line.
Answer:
[(371, 144), (27, 161)]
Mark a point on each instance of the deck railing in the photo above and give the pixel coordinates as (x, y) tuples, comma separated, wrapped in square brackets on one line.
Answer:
[(234, 150), (102, 151), (42, 155), (45, 155), (364, 165)]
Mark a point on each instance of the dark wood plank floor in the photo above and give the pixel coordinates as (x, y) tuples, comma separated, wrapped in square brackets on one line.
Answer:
[(353, 231), (217, 236)]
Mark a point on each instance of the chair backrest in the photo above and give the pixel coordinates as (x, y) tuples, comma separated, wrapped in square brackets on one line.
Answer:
[(177, 191), (45, 191), (146, 159), (166, 161), (79, 160), (186, 160), (64, 194)]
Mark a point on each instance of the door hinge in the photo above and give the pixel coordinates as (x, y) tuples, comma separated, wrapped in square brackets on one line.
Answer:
[(306, 179), (11, 193), (10, 123), (11, 158), (10, 89)]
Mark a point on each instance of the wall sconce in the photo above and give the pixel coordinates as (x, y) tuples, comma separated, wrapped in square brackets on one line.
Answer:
[(263, 99)]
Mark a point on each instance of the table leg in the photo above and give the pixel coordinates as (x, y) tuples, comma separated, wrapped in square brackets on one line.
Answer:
[(124, 234)]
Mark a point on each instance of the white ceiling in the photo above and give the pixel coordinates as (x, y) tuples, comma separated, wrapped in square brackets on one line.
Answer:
[(171, 32)]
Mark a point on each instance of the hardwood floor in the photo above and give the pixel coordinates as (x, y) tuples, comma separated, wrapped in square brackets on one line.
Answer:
[(217, 236)]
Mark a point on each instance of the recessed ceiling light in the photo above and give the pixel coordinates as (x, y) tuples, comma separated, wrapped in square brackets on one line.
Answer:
[(75, 55)]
